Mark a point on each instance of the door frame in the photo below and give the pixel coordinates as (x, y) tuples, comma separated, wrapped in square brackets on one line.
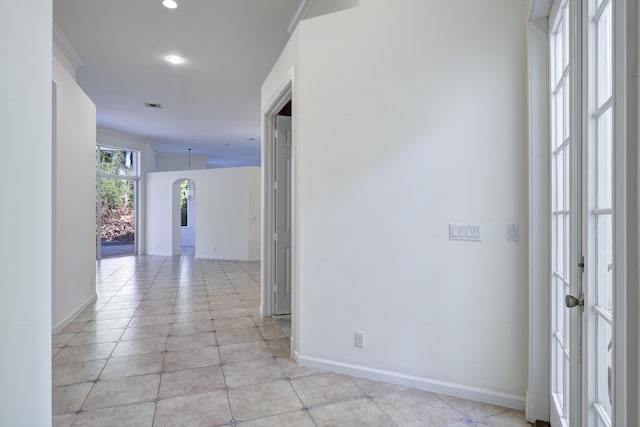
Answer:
[(622, 45), (279, 99), (537, 397)]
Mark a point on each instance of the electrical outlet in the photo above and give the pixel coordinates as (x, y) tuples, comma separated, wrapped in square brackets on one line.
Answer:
[(359, 342)]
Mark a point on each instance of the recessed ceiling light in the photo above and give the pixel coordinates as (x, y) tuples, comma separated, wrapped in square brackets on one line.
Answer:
[(169, 4), (175, 59)]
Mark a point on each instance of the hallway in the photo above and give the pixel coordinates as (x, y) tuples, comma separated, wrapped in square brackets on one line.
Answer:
[(179, 341)]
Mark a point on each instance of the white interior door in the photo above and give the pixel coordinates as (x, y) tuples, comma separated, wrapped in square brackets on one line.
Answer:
[(283, 220)]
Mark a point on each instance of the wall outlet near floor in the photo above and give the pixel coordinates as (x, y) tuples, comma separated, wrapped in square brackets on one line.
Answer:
[(359, 341)]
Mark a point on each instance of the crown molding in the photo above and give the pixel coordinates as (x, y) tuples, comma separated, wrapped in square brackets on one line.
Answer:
[(303, 9), (67, 48), (539, 9)]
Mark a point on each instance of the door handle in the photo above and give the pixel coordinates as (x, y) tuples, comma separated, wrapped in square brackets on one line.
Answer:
[(570, 301)]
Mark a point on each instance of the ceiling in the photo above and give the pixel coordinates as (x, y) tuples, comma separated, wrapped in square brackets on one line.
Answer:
[(211, 102)]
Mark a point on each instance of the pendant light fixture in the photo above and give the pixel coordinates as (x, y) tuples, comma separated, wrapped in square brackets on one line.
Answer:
[(191, 191)]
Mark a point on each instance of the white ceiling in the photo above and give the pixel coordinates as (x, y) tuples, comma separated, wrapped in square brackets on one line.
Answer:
[(212, 102)]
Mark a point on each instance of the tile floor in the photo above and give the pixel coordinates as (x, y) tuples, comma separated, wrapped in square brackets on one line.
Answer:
[(179, 342)]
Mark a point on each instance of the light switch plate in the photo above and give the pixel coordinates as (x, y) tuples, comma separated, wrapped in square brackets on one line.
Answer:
[(469, 232), (513, 232)]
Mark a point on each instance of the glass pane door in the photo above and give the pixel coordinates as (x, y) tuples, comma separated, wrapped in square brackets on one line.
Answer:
[(598, 232), (562, 215), (117, 217)]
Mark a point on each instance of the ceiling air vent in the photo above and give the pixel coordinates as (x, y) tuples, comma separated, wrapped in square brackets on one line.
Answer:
[(152, 105)]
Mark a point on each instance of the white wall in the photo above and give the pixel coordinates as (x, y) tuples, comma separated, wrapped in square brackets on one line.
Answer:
[(74, 204), (166, 162), (117, 139), (64, 61), (411, 115), (322, 7), (25, 190), (225, 214)]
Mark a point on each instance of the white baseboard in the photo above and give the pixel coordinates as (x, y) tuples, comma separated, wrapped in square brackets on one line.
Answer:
[(64, 322), (215, 258), (434, 386), (153, 253)]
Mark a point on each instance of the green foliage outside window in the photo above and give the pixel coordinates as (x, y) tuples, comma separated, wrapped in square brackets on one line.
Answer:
[(117, 213), (117, 162), (117, 210), (184, 204)]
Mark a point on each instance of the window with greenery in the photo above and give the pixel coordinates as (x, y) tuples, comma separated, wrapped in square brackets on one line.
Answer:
[(117, 170), (117, 210), (114, 161), (184, 204)]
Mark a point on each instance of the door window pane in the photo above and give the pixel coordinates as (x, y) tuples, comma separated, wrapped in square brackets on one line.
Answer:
[(117, 217), (561, 246), (604, 178), (566, 102), (604, 262), (560, 187), (603, 362), (604, 61), (559, 116)]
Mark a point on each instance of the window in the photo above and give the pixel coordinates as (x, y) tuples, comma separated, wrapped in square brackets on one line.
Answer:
[(117, 178), (184, 204), (115, 161)]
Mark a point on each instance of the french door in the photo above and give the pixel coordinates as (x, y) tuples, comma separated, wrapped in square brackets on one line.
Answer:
[(582, 286), (566, 332)]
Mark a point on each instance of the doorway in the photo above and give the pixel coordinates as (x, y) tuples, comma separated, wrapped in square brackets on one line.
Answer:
[(278, 199), (282, 212)]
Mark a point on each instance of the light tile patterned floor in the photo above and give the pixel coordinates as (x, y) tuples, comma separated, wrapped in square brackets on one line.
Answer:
[(179, 342)]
